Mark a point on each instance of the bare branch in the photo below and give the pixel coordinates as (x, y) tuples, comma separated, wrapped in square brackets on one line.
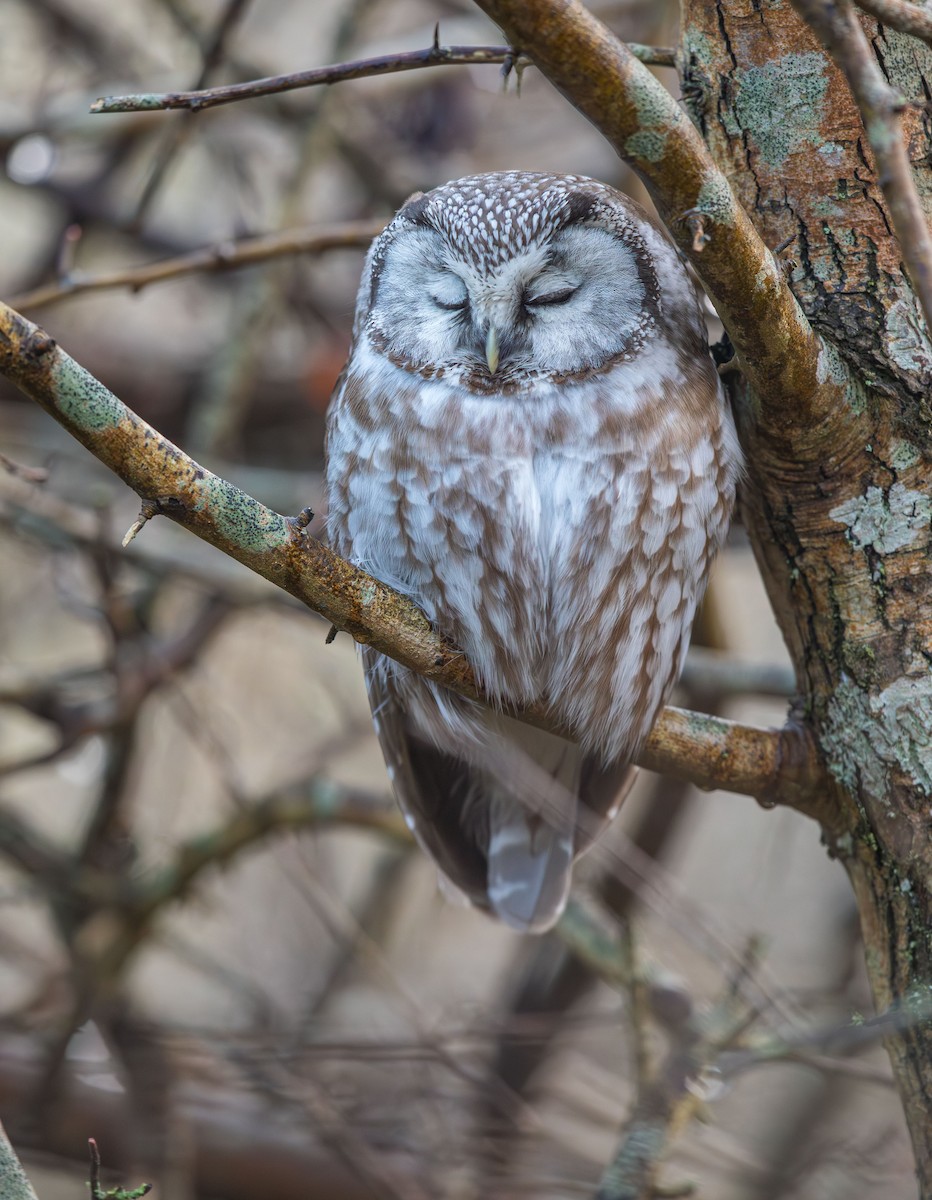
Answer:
[(880, 107), (671, 1095), (384, 64), (898, 14), (769, 764), (316, 803), (213, 53), (222, 256), (30, 474), (777, 349)]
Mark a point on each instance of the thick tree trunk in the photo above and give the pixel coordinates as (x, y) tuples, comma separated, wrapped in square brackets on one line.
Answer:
[(839, 514)]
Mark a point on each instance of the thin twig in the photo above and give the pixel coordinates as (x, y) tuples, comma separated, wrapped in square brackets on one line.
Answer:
[(671, 1097), (118, 1193), (30, 474), (384, 64), (177, 136), (315, 803), (880, 106), (221, 256)]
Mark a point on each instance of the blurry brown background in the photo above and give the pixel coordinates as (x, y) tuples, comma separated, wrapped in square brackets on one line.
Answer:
[(314, 1019)]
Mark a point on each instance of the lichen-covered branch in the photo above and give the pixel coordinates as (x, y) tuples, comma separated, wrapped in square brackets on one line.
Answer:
[(13, 1182), (780, 354), (710, 751), (224, 256), (773, 765), (838, 27), (901, 15)]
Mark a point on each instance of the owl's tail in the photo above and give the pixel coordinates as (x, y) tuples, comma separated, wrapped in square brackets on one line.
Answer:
[(529, 865), (530, 798), (502, 808)]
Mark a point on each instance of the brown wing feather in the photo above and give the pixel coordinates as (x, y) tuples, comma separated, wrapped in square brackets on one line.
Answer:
[(431, 788), (447, 801)]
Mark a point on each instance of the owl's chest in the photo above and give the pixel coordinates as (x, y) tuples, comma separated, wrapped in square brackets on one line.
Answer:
[(445, 493)]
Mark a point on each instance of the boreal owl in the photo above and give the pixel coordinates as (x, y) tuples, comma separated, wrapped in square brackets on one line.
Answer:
[(530, 440)]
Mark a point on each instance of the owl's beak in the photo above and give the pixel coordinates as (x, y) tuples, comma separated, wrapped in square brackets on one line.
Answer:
[(491, 349)]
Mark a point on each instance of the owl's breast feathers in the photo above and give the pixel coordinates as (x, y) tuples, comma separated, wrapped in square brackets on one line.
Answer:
[(562, 538), (555, 512)]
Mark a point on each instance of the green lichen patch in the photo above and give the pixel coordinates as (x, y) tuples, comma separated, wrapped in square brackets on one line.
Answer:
[(82, 399), (902, 454), (867, 735), (832, 152), (715, 199), (781, 105), (907, 341), (885, 521), (647, 144), (831, 366), (240, 518), (657, 115)]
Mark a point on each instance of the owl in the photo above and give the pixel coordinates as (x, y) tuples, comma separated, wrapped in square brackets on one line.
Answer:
[(531, 442)]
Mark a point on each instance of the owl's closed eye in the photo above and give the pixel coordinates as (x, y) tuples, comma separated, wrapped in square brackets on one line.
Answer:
[(530, 440)]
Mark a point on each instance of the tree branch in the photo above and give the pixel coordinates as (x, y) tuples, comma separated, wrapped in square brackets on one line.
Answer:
[(781, 356), (316, 803), (898, 14), (176, 136), (385, 64), (222, 256), (772, 765), (880, 106)]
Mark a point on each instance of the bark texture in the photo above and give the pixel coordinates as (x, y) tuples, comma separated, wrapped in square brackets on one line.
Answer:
[(839, 512)]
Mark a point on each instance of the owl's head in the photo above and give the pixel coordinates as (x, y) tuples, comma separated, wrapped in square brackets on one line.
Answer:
[(498, 280)]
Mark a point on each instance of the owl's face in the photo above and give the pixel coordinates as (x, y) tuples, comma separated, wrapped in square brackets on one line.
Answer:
[(499, 279)]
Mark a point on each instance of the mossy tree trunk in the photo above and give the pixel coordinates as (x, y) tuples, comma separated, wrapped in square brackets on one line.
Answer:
[(839, 513)]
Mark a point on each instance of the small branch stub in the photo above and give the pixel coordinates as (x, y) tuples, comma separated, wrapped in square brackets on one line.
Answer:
[(148, 510), (694, 220), (98, 1193), (300, 523)]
